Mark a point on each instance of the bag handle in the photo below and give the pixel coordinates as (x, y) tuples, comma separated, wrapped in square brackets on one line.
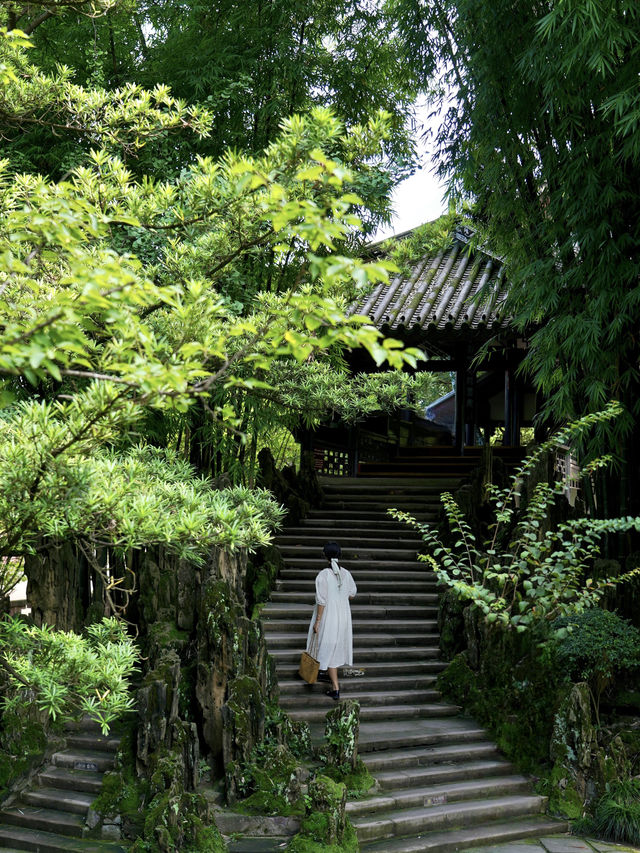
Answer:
[(313, 648)]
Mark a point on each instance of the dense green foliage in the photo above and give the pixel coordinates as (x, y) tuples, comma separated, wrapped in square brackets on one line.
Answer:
[(599, 646), (529, 572), (616, 815), (539, 131), (249, 65), (541, 137), (69, 675)]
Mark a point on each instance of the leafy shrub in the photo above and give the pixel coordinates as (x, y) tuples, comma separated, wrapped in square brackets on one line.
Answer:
[(69, 674), (617, 813), (599, 645), (526, 576)]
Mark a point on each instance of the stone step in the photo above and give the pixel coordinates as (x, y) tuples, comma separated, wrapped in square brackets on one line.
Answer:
[(384, 566), (45, 820), (395, 734), (332, 516), (77, 802), (93, 741), (416, 776), (389, 532), (481, 835), (306, 597), (427, 498), (387, 482), (383, 583), (294, 612), (365, 551), (401, 822), (422, 509), (82, 759), (364, 656), (72, 780), (409, 487), (350, 685), (396, 713), (400, 759), (349, 691), (256, 845), (364, 641), (20, 838), (385, 524), (360, 626), (374, 539), (419, 574), (428, 796)]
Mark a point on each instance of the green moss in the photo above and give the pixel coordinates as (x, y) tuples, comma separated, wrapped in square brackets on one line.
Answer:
[(564, 800), (358, 781), (22, 745), (272, 782), (314, 830)]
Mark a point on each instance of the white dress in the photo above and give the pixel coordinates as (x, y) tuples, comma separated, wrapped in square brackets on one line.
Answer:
[(335, 639)]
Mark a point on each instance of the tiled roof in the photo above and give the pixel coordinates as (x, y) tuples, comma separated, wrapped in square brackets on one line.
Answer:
[(438, 293)]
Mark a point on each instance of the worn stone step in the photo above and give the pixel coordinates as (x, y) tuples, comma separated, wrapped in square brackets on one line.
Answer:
[(413, 566), (369, 698), (295, 612), (363, 657), (360, 626), (388, 482), (331, 517), (397, 713), (429, 796), (82, 759), (383, 583), (481, 835), (376, 736), (389, 532), (21, 838), (77, 802), (417, 776), (70, 779), (364, 641), (419, 573), (256, 845), (349, 686), (385, 524), (360, 553), (284, 596), (43, 819), (401, 759), (350, 497), (409, 487), (93, 741), (374, 540), (400, 822)]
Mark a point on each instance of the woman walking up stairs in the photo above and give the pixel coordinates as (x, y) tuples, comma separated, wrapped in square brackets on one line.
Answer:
[(442, 785)]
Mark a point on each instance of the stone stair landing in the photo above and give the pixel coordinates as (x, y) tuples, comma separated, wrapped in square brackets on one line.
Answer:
[(442, 784)]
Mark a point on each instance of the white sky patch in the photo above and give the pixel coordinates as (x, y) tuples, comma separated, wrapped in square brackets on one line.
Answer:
[(420, 198)]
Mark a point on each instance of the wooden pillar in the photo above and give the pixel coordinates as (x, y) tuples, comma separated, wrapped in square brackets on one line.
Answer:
[(471, 409), (461, 406), (512, 404)]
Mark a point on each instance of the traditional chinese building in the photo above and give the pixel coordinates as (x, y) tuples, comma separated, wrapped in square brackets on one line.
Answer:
[(450, 305)]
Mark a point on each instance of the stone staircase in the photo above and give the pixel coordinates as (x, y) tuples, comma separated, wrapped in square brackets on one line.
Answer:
[(50, 815), (442, 784)]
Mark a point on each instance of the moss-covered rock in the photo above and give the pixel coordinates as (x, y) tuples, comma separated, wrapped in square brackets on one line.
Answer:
[(325, 828), (342, 728)]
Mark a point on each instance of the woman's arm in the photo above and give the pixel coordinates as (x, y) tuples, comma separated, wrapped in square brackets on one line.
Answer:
[(318, 618)]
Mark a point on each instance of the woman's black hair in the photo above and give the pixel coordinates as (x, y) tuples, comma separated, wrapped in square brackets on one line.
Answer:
[(332, 550)]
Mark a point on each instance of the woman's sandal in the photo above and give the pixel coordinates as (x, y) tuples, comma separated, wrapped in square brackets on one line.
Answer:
[(335, 694)]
